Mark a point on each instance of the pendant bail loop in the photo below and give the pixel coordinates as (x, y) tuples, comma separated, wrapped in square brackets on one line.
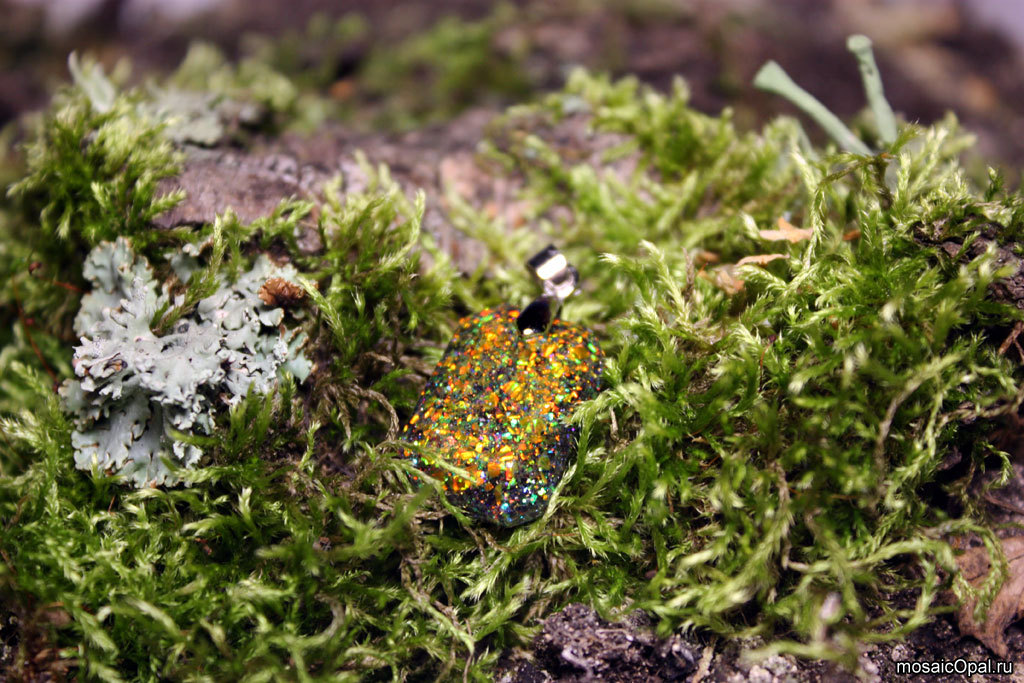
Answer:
[(558, 279)]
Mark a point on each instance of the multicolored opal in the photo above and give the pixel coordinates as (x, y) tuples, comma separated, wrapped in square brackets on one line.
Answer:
[(496, 407)]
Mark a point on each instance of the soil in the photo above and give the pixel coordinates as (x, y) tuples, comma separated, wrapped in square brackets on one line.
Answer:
[(576, 646)]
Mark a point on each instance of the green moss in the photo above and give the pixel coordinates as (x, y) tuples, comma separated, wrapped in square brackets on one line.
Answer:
[(316, 57), (93, 163), (427, 78), (375, 304), (438, 73), (763, 460), (775, 443), (89, 171)]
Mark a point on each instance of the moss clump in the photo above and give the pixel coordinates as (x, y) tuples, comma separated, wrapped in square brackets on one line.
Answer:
[(375, 304), (89, 172), (315, 58), (440, 72), (776, 431), (765, 458), (94, 161), (348, 72), (250, 91)]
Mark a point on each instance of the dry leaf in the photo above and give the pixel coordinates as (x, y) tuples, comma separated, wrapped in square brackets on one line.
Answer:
[(852, 235), (1009, 603), (279, 292), (704, 257), (723, 278), (760, 259), (786, 231)]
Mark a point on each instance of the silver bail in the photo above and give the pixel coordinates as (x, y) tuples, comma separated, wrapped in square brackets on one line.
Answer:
[(557, 276), (558, 279)]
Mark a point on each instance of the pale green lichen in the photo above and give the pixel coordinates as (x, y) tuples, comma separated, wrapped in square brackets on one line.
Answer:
[(135, 389), (251, 89)]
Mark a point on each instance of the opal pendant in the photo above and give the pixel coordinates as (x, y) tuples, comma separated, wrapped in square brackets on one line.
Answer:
[(497, 405)]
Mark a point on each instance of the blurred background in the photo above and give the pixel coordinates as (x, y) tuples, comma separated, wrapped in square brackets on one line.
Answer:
[(394, 64)]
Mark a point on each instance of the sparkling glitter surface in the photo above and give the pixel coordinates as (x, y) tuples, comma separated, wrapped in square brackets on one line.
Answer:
[(496, 407)]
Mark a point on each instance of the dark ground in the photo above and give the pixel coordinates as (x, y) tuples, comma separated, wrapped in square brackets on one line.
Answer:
[(933, 58)]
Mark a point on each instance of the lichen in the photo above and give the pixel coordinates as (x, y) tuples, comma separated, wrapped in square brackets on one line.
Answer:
[(250, 91), (135, 390)]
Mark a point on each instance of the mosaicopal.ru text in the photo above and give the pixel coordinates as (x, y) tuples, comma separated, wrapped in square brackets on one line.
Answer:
[(962, 666)]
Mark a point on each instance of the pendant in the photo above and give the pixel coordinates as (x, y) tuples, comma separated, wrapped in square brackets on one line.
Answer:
[(497, 404)]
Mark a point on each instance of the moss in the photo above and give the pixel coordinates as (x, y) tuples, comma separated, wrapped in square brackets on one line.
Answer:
[(316, 57), (89, 171), (375, 304), (794, 424), (443, 70), (94, 162), (764, 459), (348, 72)]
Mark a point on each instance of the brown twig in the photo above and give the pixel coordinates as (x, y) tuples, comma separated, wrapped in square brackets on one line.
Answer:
[(37, 265), (7, 559), (1006, 505), (28, 333), (17, 512), (1012, 339)]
